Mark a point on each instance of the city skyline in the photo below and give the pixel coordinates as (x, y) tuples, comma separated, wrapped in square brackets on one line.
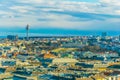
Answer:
[(59, 40), (82, 15)]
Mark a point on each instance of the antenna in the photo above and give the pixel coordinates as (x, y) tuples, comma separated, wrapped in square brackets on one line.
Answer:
[(27, 32)]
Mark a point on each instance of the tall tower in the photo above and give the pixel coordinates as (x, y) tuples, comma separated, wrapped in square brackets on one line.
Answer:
[(27, 32)]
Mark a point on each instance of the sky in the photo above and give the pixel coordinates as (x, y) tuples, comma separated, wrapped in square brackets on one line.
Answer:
[(99, 15)]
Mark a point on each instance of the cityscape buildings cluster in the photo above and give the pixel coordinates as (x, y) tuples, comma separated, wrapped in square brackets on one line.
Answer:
[(60, 58)]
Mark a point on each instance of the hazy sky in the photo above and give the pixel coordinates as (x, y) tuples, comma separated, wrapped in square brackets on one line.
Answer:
[(63, 14)]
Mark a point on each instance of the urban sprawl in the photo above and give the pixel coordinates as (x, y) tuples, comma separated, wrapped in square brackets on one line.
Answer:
[(60, 58)]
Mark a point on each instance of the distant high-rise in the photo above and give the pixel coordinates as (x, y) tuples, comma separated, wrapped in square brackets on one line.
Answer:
[(27, 32), (104, 34), (12, 37), (119, 37)]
